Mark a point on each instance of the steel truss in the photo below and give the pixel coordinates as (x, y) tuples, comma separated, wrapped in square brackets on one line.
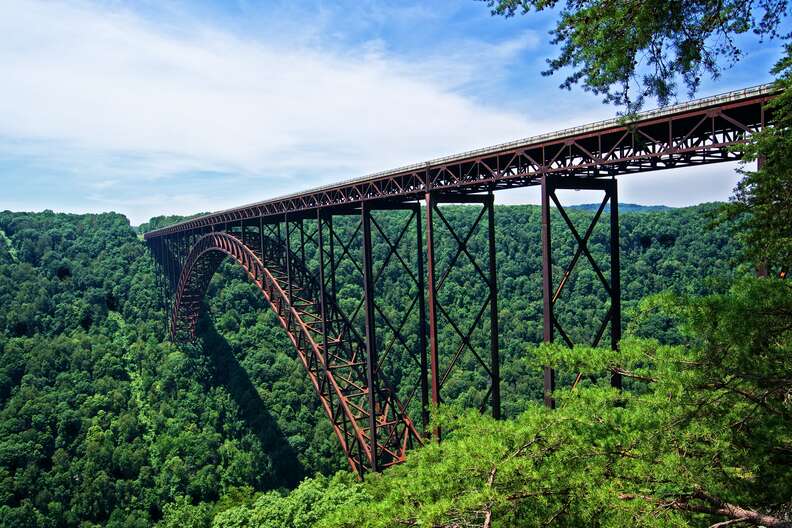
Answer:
[(697, 133), (343, 363), (442, 364), (551, 292), (293, 247)]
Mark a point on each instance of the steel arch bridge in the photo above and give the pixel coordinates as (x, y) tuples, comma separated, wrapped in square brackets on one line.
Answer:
[(291, 249)]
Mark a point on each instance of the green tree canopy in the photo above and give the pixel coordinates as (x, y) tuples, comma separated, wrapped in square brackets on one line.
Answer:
[(634, 49)]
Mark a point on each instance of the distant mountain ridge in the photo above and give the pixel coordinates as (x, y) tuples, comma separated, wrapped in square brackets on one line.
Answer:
[(625, 207)]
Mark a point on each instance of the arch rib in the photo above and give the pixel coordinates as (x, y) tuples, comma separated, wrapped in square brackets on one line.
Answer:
[(338, 378)]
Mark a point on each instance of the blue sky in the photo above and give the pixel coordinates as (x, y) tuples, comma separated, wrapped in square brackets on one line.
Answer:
[(150, 108)]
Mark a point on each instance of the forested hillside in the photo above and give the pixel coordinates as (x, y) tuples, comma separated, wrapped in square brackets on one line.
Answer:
[(102, 422)]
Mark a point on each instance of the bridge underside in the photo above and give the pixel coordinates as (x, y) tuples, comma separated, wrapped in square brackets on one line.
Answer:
[(293, 247)]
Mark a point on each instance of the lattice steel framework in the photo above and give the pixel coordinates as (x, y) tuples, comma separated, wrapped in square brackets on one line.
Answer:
[(291, 247), (695, 133), (367, 416), (484, 309), (552, 293)]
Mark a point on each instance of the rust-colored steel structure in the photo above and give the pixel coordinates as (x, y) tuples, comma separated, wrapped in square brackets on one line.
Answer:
[(291, 248)]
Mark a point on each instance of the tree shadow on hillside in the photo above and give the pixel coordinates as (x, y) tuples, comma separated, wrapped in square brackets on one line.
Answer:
[(232, 375)]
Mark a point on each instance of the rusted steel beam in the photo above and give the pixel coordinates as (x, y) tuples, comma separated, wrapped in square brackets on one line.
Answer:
[(371, 339), (493, 293), (323, 296), (422, 326), (287, 254), (615, 277), (485, 306), (434, 360), (695, 133), (393, 337), (547, 290)]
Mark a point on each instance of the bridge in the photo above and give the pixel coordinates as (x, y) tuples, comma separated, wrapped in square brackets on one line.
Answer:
[(292, 247)]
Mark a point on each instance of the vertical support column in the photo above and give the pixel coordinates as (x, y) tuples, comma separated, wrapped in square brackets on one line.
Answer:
[(547, 289), (158, 245), (179, 257), (615, 275), (287, 256), (172, 258), (176, 251), (282, 255), (322, 285), (323, 309), (261, 238), (166, 301), (167, 248), (168, 264), (371, 344), (302, 242), (493, 292), (433, 338), (177, 260), (333, 285), (164, 263), (422, 322)]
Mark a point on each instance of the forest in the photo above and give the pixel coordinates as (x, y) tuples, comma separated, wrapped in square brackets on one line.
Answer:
[(104, 422)]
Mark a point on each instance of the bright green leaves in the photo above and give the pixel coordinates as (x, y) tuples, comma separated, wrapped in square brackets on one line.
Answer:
[(763, 198), (705, 423), (632, 50)]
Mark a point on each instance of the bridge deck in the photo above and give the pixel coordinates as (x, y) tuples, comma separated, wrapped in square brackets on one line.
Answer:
[(692, 133)]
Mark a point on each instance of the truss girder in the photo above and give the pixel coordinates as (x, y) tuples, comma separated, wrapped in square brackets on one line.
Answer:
[(694, 137), (345, 351)]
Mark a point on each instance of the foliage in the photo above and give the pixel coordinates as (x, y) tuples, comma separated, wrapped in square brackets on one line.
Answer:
[(704, 435), (630, 50), (104, 423), (763, 198), (313, 500), (101, 420)]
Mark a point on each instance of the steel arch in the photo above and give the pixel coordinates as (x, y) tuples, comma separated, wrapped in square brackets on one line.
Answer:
[(343, 397)]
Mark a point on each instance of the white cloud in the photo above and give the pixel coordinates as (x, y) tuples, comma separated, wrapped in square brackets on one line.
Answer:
[(112, 84), (111, 101)]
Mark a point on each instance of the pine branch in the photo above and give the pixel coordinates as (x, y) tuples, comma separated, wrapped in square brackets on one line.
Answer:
[(633, 375), (714, 506)]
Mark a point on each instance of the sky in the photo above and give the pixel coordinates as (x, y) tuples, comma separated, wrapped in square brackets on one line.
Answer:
[(150, 107)]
